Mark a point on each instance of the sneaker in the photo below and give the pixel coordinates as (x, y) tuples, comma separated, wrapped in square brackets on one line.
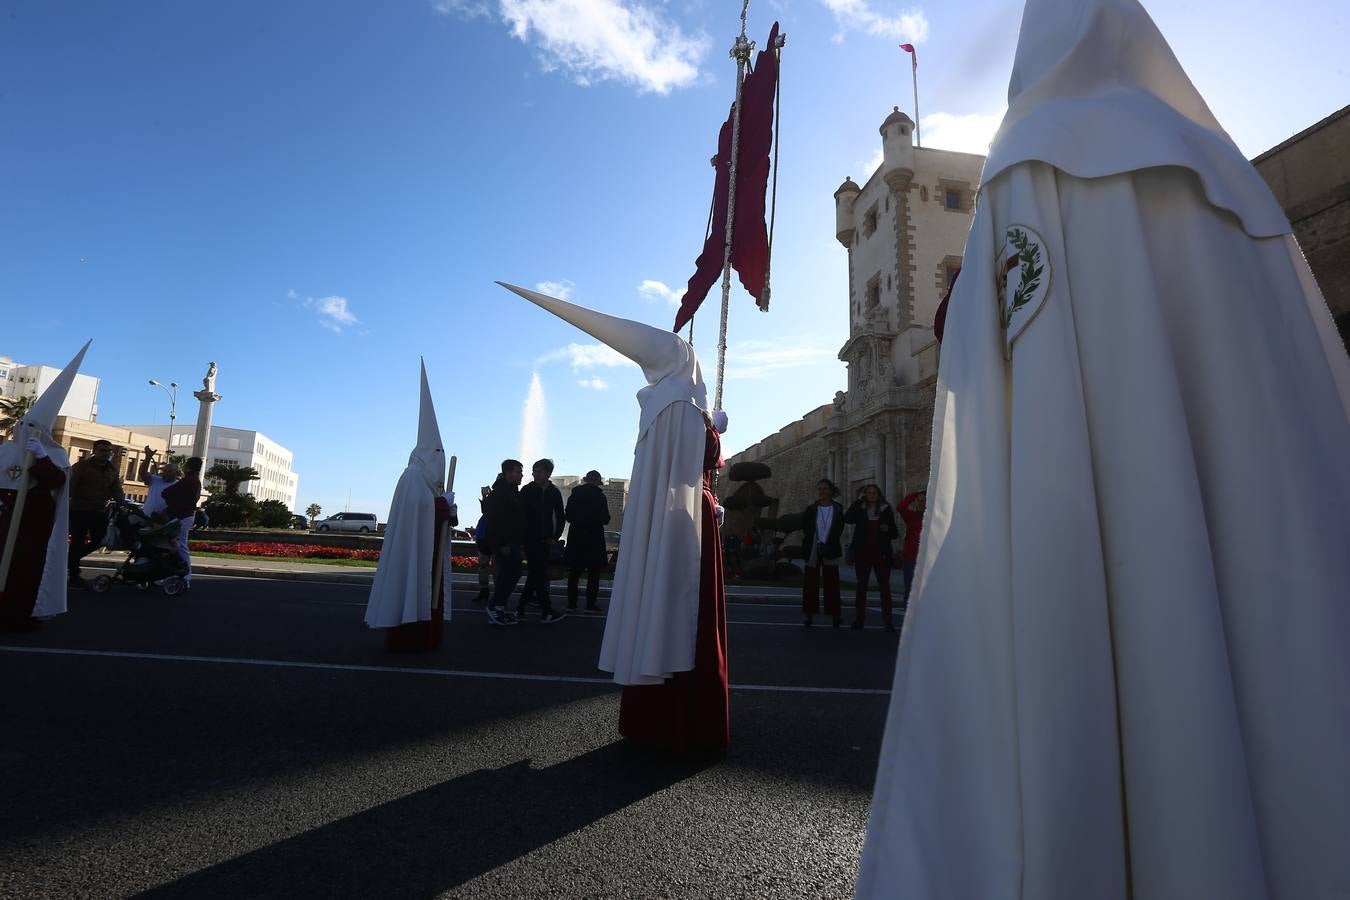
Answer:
[(551, 616), (482, 597), (499, 616)]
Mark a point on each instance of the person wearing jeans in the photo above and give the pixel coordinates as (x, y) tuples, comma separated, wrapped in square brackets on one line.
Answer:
[(874, 530), (822, 527), (504, 513)]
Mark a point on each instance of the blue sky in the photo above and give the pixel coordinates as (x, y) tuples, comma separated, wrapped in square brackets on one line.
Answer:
[(314, 193)]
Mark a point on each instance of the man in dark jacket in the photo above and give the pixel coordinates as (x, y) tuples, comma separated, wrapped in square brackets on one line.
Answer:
[(180, 502), (587, 515), (544, 523), (95, 481), (504, 521)]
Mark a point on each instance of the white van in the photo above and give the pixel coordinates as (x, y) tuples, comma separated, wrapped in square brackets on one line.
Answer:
[(363, 523)]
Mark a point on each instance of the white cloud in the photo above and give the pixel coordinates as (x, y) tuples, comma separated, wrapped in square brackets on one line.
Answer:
[(758, 359), (629, 41), (332, 311), (657, 290), (872, 165), (595, 384), (969, 134), (586, 356), (858, 15), (469, 9), (560, 289)]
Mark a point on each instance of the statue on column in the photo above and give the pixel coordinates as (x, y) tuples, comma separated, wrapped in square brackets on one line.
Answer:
[(209, 382)]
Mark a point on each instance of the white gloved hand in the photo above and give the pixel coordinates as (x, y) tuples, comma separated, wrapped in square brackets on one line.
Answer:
[(719, 418), (449, 498), (721, 514), (34, 446)]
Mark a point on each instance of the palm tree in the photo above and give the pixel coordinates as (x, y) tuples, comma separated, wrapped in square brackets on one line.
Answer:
[(232, 476), (313, 512), (12, 411)]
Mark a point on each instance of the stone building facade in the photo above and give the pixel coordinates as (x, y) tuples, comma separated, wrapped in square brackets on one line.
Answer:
[(904, 230), (1310, 175)]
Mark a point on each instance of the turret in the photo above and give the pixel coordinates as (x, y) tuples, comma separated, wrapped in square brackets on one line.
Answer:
[(844, 227), (897, 145)]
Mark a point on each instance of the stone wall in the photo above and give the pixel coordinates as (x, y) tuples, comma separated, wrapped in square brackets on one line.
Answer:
[(1310, 177)]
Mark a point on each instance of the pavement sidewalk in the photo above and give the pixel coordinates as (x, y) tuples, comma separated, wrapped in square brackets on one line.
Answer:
[(294, 570)]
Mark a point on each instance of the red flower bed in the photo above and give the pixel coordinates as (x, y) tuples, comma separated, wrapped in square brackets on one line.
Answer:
[(305, 551)]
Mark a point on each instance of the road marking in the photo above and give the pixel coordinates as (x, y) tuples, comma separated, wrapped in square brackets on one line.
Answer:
[(411, 670)]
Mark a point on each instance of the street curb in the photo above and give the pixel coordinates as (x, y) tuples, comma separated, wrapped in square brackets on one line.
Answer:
[(205, 568)]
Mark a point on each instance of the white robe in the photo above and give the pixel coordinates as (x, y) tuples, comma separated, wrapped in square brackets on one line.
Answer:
[(402, 590), (1126, 664), (51, 598), (651, 627)]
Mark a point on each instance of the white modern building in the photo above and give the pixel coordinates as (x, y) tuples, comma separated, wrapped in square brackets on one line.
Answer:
[(238, 447), (21, 380)]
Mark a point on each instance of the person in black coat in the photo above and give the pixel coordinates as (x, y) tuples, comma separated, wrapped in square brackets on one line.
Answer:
[(543, 526), (504, 522), (874, 530), (587, 515), (822, 528)]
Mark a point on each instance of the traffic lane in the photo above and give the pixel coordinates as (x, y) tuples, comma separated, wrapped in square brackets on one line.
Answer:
[(306, 622), (208, 779)]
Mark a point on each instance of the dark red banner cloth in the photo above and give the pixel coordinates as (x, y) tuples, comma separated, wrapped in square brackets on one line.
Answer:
[(749, 236)]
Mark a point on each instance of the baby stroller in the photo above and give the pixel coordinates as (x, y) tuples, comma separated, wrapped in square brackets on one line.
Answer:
[(152, 551)]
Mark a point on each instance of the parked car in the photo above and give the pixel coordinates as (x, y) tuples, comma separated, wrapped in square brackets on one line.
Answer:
[(299, 523), (364, 523)]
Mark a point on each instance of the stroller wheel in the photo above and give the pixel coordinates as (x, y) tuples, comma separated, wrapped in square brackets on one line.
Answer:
[(101, 584), (173, 585)]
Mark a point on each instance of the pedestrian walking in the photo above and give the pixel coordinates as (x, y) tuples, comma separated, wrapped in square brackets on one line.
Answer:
[(504, 521), (822, 528), (180, 502), (587, 515), (544, 523), (911, 513), (95, 481), (874, 530)]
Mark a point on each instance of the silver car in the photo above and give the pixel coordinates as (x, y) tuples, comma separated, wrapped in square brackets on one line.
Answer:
[(362, 523)]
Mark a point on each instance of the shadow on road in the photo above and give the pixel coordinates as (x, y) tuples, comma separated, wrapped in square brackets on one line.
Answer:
[(436, 839)]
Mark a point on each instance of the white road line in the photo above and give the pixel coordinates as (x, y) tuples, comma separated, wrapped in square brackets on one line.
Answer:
[(410, 670)]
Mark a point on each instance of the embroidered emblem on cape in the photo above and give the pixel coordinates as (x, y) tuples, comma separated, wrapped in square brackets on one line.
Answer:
[(1023, 275)]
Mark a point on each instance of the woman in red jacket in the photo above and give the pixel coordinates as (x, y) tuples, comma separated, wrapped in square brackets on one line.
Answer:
[(911, 512)]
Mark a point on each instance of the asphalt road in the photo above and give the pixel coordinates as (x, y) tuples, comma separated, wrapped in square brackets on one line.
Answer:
[(253, 739)]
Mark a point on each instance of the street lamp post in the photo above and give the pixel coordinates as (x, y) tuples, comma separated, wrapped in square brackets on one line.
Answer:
[(173, 409)]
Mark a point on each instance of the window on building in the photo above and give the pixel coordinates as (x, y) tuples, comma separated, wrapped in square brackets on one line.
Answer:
[(870, 221), (952, 199), (923, 193), (873, 291), (952, 271)]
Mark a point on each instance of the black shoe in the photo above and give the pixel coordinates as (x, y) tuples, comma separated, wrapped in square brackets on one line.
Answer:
[(890, 628), (806, 623), (551, 616), (856, 626), (482, 597), (838, 620), (594, 611)]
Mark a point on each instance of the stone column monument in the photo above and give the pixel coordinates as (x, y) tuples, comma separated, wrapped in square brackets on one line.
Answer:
[(207, 398)]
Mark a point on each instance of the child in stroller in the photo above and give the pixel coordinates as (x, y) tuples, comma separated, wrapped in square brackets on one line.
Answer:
[(152, 546)]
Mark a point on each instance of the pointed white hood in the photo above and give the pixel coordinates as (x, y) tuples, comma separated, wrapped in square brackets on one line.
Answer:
[(40, 421), (668, 362), (402, 591), (1096, 91), (428, 457)]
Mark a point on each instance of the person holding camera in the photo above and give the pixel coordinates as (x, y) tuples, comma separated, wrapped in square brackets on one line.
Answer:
[(822, 528), (874, 530)]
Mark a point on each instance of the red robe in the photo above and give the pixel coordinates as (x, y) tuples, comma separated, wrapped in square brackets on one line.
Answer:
[(425, 634), (30, 549), (691, 711)]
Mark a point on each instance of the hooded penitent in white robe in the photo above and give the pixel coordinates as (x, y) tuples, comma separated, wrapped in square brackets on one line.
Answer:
[(652, 622), (41, 418), (402, 591), (1127, 658)]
